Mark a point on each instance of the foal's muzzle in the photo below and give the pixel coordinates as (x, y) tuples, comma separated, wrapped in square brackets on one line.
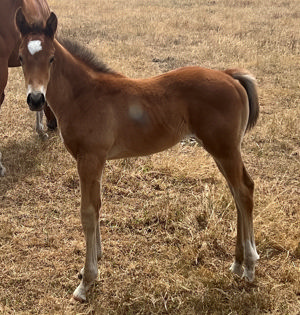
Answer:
[(36, 101)]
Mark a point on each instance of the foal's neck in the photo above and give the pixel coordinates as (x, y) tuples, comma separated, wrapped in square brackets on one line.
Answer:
[(68, 81), (72, 82)]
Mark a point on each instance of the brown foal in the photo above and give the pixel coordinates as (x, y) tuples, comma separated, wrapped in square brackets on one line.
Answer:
[(35, 11), (105, 115)]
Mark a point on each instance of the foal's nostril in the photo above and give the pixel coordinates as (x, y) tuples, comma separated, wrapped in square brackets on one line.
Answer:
[(35, 100), (29, 98)]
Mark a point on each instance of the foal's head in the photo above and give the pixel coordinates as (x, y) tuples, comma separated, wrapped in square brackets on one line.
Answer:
[(36, 55)]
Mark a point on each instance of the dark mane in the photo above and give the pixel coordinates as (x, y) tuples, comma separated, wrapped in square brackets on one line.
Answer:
[(85, 55)]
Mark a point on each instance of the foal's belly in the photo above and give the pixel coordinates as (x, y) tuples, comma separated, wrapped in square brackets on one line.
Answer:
[(137, 146)]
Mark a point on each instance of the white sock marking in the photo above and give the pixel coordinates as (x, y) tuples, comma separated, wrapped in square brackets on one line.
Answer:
[(250, 252), (34, 46)]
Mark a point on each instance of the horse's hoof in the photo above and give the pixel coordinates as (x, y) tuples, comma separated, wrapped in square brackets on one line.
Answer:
[(2, 170), (237, 269), (249, 275), (80, 294), (75, 299), (43, 136)]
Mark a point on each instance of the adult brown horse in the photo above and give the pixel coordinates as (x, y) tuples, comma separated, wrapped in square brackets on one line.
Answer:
[(105, 115), (35, 10)]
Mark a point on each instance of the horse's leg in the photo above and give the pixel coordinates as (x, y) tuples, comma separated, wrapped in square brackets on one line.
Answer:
[(241, 186), (3, 78), (251, 255), (89, 169), (39, 127), (98, 241), (2, 168), (39, 122), (3, 81), (51, 120), (237, 266), (99, 248), (2, 96)]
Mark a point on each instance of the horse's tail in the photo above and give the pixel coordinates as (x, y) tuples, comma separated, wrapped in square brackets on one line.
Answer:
[(248, 81)]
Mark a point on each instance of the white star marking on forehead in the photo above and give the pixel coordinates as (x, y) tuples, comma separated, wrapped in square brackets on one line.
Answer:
[(34, 46)]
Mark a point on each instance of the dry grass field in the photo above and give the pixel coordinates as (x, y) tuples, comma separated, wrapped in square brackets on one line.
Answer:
[(168, 221)]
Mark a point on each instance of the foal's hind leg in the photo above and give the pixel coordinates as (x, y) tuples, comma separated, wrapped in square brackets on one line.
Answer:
[(89, 169), (241, 186), (237, 266)]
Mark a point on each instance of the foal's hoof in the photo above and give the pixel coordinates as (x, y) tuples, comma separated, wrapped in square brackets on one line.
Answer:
[(2, 170), (43, 136), (76, 299), (249, 275), (80, 294), (237, 269)]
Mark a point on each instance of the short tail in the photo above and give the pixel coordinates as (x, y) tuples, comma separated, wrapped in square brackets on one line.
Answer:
[(249, 83)]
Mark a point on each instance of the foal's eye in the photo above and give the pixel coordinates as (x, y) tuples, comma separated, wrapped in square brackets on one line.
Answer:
[(51, 59)]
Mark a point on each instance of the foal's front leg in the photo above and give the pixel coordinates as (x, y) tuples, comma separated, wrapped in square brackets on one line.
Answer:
[(3, 81), (99, 248), (39, 127), (2, 168), (89, 169)]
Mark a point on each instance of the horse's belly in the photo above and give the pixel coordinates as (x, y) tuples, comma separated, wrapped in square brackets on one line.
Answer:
[(137, 146)]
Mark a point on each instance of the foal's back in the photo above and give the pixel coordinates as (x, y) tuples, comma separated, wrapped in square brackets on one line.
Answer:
[(149, 115)]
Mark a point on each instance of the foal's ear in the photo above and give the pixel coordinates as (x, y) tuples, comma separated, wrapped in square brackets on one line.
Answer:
[(21, 23), (51, 25)]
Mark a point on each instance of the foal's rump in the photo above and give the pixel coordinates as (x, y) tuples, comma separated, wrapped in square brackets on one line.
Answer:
[(211, 96), (222, 105)]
